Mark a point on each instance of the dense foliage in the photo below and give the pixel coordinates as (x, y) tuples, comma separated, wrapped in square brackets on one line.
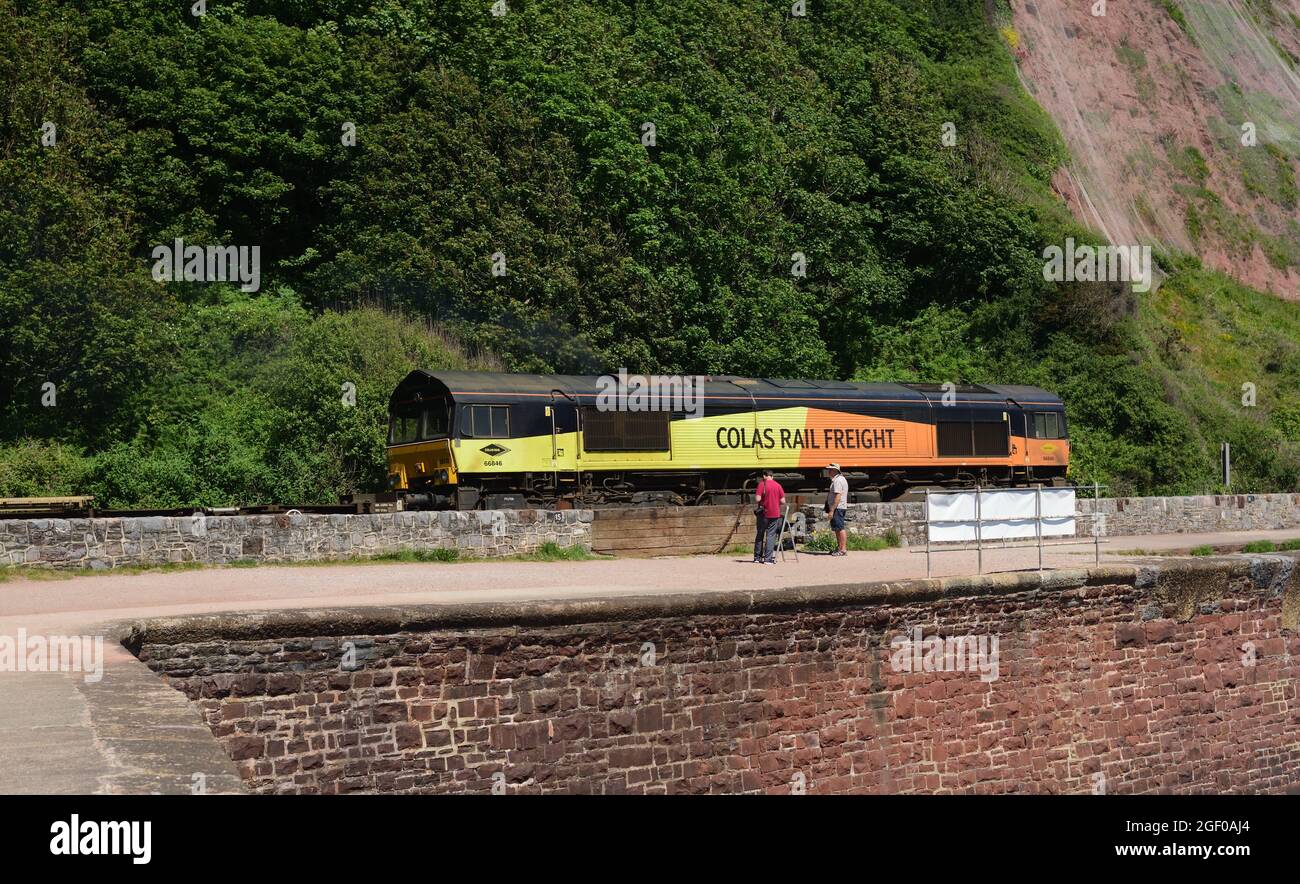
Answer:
[(525, 135)]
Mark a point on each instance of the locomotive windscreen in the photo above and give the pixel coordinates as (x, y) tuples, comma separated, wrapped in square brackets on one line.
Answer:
[(418, 420)]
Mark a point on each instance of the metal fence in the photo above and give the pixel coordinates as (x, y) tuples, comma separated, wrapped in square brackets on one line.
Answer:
[(1008, 525)]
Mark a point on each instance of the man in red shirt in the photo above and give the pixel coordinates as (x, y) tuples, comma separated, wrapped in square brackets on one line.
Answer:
[(769, 498)]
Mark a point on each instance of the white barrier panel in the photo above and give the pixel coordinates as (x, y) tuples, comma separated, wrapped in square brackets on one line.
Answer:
[(1004, 514)]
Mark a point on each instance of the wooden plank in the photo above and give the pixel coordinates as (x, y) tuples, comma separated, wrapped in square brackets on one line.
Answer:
[(660, 551), (630, 544), (655, 542), (657, 513), (677, 529), (670, 531), (705, 549), (664, 536), (679, 519), (652, 540)]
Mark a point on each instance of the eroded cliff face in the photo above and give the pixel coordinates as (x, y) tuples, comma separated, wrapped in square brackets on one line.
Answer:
[(1183, 122)]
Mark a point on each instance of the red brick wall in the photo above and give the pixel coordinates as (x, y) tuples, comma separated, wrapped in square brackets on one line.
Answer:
[(1127, 684)]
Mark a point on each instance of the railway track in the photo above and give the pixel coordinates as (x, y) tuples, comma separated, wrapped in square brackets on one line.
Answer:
[(82, 507)]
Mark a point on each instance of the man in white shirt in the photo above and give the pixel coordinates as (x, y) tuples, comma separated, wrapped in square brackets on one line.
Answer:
[(837, 501)]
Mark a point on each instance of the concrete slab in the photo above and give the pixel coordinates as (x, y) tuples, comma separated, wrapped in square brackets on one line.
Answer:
[(61, 733), (46, 743)]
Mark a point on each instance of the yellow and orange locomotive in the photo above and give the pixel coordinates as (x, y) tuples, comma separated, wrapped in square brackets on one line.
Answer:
[(466, 440)]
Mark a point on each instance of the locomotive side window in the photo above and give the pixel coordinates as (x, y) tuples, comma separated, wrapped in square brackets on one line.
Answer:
[(1047, 425), (485, 421), (500, 421)]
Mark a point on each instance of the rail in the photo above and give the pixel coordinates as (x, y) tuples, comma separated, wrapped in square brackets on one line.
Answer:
[(82, 507)]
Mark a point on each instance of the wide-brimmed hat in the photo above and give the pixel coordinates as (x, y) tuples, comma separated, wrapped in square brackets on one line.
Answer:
[(833, 466)]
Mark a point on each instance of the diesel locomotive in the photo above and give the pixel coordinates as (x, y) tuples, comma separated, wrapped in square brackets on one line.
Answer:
[(467, 440)]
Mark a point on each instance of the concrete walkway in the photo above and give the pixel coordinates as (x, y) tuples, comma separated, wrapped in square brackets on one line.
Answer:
[(130, 732)]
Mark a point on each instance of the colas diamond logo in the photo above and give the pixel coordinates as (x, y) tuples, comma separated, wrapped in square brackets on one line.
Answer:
[(494, 449)]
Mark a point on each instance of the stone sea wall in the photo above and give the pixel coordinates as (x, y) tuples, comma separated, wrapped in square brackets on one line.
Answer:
[(1118, 515), (222, 540), (1177, 678), (108, 543)]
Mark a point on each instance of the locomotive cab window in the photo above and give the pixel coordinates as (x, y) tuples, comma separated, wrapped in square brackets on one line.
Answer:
[(485, 421), (403, 428), (437, 419), (417, 421), (1047, 425)]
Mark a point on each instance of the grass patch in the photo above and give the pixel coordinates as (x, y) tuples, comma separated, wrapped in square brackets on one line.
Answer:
[(553, 552), (409, 556), (35, 572), (824, 541), (1133, 58), (1282, 52), (547, 552), (1265, 172), (1205, 549), (417, 555), (1172, 10), (26, 572), (1191, 163)]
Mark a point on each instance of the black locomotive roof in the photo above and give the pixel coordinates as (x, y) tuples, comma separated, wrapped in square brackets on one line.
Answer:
[(469, 384)]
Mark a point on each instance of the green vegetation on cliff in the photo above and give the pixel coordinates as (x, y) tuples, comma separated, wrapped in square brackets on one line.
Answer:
[(525, 134)]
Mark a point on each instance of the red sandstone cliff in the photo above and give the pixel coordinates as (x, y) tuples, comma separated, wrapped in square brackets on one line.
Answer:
[(1152, 97)]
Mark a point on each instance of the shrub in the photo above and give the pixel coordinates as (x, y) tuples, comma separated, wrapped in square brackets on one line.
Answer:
[(824, 541), (33, 468)]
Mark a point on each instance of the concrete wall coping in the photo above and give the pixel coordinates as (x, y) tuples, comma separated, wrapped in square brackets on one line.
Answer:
[(1187, 581)]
